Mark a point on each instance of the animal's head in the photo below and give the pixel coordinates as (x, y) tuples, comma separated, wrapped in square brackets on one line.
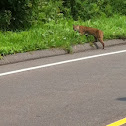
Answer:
[(76, 27)]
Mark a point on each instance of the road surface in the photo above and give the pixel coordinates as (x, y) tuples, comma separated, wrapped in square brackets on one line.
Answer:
[(87, 92)]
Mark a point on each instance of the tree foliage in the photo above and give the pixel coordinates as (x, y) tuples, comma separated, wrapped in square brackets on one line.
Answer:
[(22, 13), (87, 9), (15, 13)]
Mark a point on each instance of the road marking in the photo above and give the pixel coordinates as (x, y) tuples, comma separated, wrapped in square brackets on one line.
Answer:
[(62, 62), (118, 123)]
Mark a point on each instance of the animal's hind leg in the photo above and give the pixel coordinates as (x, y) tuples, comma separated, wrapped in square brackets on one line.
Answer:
[(101, 41), (95, 42)]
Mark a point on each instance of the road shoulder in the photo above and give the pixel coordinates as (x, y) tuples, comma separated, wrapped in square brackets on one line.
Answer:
[(20, 57)]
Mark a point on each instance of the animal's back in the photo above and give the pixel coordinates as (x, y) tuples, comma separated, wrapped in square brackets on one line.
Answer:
[(92, 31)]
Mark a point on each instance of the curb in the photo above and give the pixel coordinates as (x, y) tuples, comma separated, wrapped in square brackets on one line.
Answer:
[(20, 57)]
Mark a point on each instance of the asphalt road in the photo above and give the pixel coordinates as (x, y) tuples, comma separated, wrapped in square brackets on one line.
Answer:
[(90, 92)]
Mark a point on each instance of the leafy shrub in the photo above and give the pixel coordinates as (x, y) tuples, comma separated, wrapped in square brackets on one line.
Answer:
[(88, 9), (47, 10), (22, 13), (5, 18), (16, 13)]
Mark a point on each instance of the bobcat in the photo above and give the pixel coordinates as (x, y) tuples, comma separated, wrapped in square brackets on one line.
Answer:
[(83, 30)]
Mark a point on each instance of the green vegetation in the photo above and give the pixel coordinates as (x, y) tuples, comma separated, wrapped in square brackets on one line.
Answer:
[(44, 24)]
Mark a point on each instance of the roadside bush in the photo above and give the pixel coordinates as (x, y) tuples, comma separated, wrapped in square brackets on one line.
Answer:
[(47, 10), (15, 13), (88, 9), (119, 6), (5, 18)]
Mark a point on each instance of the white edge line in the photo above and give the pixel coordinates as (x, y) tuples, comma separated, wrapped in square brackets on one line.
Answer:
[(58, 63)]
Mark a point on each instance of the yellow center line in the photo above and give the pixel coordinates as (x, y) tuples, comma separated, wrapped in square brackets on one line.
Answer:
[(118, 123)]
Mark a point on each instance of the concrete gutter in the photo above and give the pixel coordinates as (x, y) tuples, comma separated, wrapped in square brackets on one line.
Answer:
[(20, 57)]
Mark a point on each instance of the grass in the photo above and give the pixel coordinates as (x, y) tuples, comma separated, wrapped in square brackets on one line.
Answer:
[(59, 34)]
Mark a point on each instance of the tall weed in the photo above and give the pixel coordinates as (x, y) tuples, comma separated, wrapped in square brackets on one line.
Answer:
[(59, 34)]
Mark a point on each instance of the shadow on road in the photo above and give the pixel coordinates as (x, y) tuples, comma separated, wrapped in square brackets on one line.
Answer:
[(122, 99)]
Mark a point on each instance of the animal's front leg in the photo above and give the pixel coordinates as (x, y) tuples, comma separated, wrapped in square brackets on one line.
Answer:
[(91, 44), (86, 36)]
